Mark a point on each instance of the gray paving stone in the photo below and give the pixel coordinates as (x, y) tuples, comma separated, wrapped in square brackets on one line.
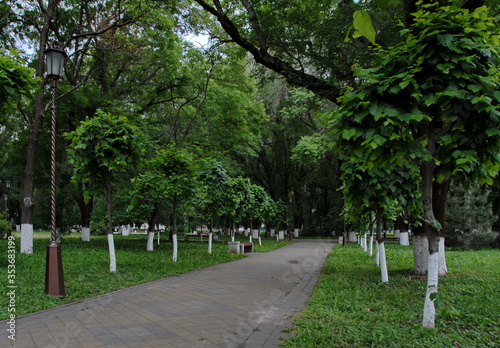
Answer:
[(245, 303)]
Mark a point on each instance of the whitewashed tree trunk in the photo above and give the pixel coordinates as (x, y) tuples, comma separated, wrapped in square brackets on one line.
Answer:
[(420, 254), (371, 246), (255, 234), (365, 244), (432, 287), (442, 270), (126, 230), (151, 238), (352, 237), (158, 238), (397, 233), (85, 234), (174, 240), (260, 241), (210, 242), (383, 263), (377, 255), (112, 255), (26, 238), (404, 238)]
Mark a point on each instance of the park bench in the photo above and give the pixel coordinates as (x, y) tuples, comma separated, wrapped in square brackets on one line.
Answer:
[(246, 247), (200, 236)]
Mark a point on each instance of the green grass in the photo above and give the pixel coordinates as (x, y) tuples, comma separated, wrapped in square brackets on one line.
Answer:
[(86, 267), (352, 308)]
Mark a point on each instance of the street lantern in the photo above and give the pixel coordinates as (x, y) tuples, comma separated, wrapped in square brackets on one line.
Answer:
[(54, 278), (54, 59), (7, 184)]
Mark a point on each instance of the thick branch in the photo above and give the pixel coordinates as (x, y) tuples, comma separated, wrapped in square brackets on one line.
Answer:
[(293, 76)]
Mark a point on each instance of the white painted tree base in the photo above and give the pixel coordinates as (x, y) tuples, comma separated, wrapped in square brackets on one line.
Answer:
[(174, 240), (27, 239), (397, 233), (404, 238), (421, 255), (352, 237), (443, 269), (210, 242), (151, 238), (112, 255), (371, 246), (429, 315), (383, 263), (85, 234)]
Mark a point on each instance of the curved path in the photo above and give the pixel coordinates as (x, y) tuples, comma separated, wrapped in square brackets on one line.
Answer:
[(245, 303)]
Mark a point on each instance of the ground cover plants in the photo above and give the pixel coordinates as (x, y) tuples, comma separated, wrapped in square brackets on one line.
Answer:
[(351, 307), (86, 267)]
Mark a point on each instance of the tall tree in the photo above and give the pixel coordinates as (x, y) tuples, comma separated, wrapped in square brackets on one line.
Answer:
[(102, 147)]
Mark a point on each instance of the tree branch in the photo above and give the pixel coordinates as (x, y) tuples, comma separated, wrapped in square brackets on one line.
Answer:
[(292, 75)]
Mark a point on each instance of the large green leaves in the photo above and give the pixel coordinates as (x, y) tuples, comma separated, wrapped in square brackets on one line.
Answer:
[(103, 146)]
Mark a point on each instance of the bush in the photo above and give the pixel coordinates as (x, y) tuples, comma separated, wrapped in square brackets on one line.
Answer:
[(4, 227), (98, 228)]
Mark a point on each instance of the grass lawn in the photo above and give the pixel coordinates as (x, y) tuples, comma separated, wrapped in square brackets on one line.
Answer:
[(352, 308), (86, 266)]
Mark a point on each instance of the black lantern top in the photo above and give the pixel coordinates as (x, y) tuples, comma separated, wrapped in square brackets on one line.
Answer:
[(54, 58)]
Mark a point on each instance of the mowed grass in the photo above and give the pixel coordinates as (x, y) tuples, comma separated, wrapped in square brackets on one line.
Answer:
[(352, 308), (86, 267)]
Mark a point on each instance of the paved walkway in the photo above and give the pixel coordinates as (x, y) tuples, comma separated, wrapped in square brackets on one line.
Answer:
[(245, 303)]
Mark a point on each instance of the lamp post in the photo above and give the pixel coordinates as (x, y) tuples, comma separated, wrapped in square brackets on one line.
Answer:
[(54, 278)]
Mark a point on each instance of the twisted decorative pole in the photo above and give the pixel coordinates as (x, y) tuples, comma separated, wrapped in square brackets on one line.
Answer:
[(54, 278), (53, 86)]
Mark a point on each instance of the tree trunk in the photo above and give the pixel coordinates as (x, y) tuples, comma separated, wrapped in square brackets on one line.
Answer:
[(381, 248), (35, 129), (109, 225), (420, 254), (430, 226), (174, 228), (210, 234), (153, 219), (439, 197), (85, 234)]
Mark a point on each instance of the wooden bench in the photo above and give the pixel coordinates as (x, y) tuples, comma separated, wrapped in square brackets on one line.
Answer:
[(187, 236), (196, 235), (246, 247)]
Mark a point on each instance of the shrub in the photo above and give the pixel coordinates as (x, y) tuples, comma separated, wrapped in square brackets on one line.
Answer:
[(4, 227), (98, 228)]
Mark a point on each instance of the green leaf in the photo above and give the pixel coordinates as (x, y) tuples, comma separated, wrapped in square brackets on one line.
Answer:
[(363, 24)]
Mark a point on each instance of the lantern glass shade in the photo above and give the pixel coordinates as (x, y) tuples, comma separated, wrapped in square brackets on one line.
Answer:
[(7, 183), (54, 58)]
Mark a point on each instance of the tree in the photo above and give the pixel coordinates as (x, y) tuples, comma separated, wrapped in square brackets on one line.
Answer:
[(100, 149), (176, 181), (431, 101), (16, 81)]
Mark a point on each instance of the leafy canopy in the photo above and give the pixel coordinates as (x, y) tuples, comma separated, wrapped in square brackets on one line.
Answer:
[(103, 146)]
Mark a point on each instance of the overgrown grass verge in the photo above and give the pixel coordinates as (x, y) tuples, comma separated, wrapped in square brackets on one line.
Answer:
[(86, 267), (352, 308)]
